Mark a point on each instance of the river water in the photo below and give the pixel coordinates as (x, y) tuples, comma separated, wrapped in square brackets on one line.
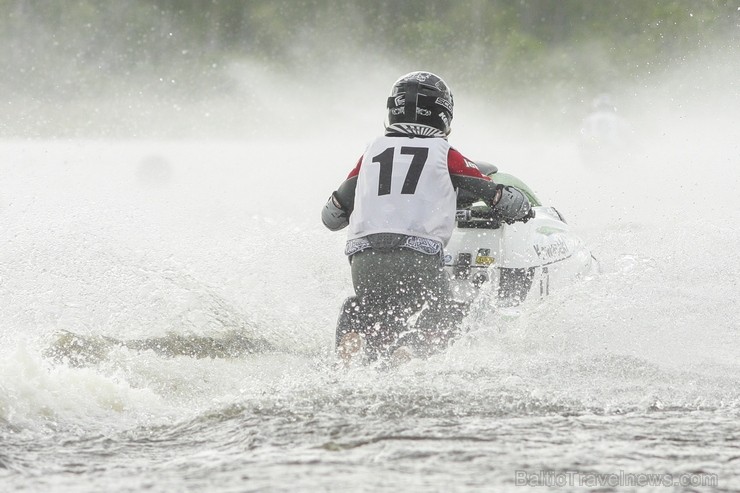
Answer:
[(628, 373)]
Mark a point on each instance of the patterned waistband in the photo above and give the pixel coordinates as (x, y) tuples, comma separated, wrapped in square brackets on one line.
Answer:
[(417, 243)]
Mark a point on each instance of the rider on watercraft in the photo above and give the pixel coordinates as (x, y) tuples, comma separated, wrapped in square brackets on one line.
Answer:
[(605, 136), (400, 202)]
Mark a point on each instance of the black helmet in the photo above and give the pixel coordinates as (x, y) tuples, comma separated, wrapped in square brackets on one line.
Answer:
[(420, 99)]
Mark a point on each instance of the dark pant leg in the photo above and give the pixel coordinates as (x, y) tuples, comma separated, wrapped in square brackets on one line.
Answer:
[(391, 285)]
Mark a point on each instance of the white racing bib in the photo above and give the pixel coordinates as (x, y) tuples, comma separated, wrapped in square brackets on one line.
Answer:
[(404, 187)]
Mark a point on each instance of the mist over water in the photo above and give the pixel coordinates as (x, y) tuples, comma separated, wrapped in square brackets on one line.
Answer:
[(133, 216)]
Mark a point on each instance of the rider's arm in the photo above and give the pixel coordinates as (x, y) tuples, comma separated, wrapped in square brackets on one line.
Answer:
[(508, 202), (336, 211)]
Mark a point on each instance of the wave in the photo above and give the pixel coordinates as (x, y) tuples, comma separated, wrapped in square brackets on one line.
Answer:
[(79, 350)]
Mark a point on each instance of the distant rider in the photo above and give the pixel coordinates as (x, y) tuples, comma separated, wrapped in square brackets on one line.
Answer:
[(605, 137), (400, 202)]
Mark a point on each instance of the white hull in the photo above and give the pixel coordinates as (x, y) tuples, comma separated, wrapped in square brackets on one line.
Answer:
[(522, 260)]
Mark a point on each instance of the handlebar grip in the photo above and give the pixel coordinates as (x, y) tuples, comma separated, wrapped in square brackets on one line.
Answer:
[(470, 214), (463, 215)]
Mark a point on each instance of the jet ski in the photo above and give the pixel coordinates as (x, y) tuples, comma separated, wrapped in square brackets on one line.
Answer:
[(521, 260)]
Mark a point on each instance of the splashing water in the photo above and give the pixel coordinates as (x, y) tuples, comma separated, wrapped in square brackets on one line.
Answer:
[(635, 369)]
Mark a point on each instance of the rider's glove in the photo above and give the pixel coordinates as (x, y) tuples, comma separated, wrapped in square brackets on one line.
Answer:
[(528, 216), (510, 204)]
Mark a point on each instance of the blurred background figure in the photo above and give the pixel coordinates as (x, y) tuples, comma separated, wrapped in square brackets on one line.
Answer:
[(154, 171), (605, 137)]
